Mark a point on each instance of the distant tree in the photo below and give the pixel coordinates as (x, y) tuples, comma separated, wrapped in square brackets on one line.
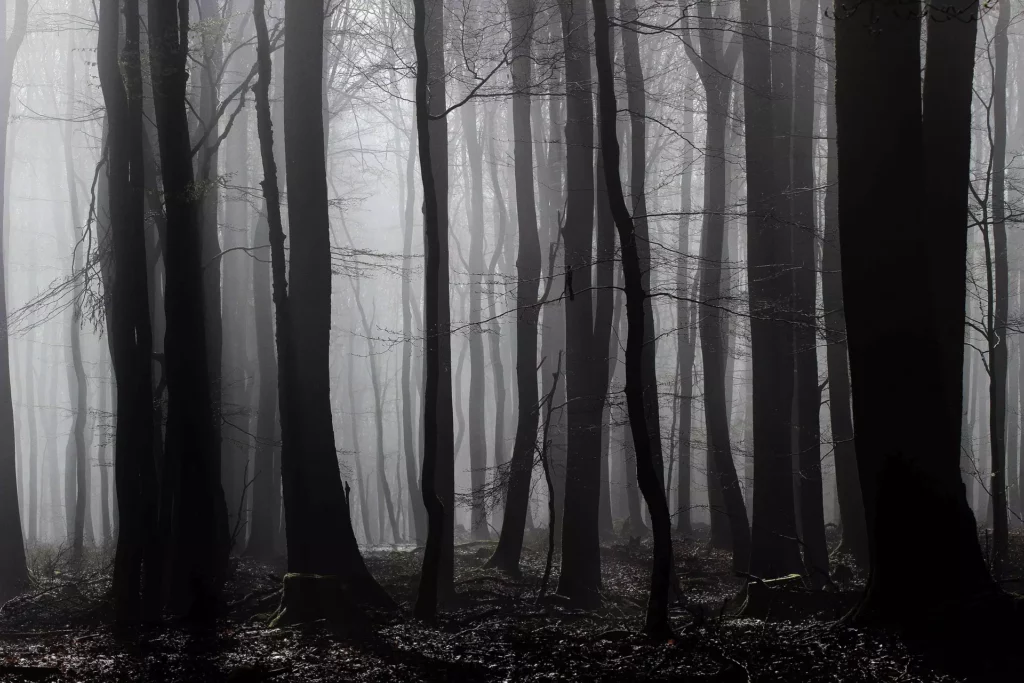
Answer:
[(13, 570)]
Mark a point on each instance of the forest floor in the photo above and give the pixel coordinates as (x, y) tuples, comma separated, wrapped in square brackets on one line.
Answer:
[(499, 630)]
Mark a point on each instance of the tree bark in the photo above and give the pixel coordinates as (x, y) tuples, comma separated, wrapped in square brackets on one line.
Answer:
[(908, 452), (638, 318), (438, 454), (848, 490), (13, 570), (138, 563), (528, 264), (808, 395)]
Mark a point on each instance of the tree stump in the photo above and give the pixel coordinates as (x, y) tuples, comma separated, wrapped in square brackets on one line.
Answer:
[(312, 597)]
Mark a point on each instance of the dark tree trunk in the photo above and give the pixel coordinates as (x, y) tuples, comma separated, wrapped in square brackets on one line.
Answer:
[(638, 318), (200, 527), (438, 454), (13, 570), (137, 562), (528, 264), (848, 491), (580, 578), (999, 333), (908, 451), (808, 398), (774, 551)]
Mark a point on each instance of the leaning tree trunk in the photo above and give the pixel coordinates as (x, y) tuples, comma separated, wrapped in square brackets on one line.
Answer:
[(657, 623), (13, 570), (908, 451), (528, 263)]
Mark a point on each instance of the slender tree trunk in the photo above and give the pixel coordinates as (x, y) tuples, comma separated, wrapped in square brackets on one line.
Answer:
[(808, 395), (686, 339), (101, 459), (1000, 354), (32, 458), (13, 570), (848, 491), (528, 263), (438, 455), (638, 318)]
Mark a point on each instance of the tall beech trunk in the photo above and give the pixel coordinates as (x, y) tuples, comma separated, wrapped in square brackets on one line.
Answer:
[(808, 395), (266, 492), (364, 503), (410, 387), (656, 623), (999, 334), (477, 379), (201, 536), (686, 340), (13, 570), (77, 384), (138, 564), (714, 67), (438, 454), (848, 491), (891, 147), (528, 264), (774, 551), (580, 578)]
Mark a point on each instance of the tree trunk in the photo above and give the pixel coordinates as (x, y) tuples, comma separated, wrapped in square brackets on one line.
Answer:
[(638, 317), (200, 529), (528, 263), (137, 562), (908, 451), (851, 504), (101, 459), (808, 395), (999, 350), (438, 453), (580, 578), (13, 570), (686, 341), (774, 551)]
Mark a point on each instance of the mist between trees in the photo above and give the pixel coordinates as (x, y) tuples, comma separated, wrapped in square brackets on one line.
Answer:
[(292, 279)]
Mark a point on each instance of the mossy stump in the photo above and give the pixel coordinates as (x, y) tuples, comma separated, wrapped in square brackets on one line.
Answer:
[(315, 597)]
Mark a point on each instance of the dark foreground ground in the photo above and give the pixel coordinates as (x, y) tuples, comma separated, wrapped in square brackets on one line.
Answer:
[(59, 631)]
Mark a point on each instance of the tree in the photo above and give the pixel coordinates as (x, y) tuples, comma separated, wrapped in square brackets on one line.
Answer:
[(200, 527), (647, 465), (848, 492), (774, 551), (13, 570), (138, 565), (434, 227), (714, 65), (904, 140), (804, 283), (528, 265)]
